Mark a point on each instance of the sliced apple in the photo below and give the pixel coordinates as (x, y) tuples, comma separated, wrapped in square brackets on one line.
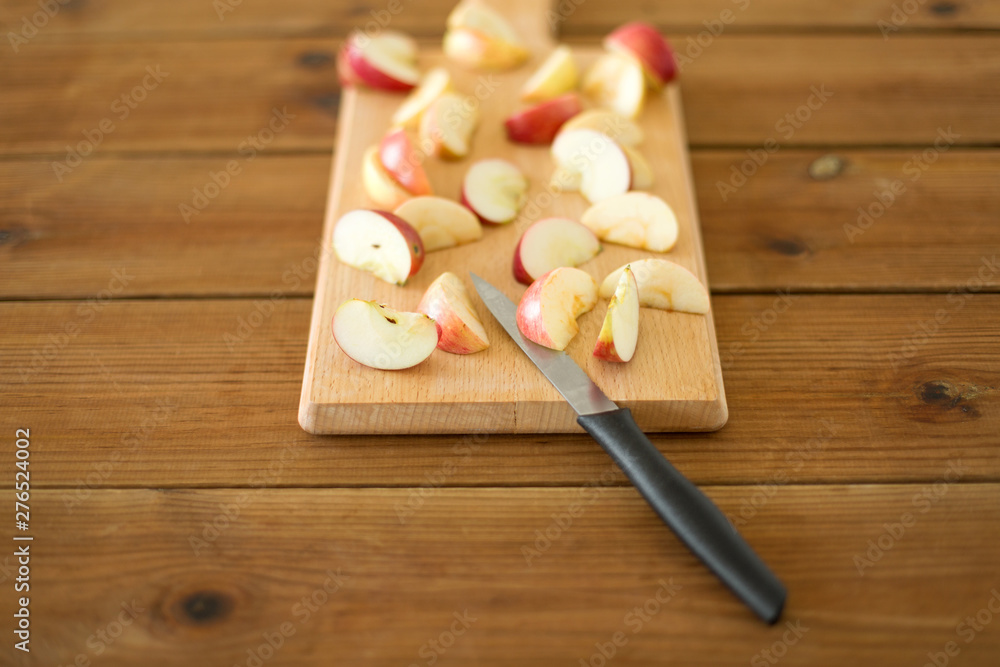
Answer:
[(447, 126), (379, 242), (387, 61), (440, 222), (380, 337), (642, 172), (380, 186), (620, 331), (540, 123), (664, 285), (634, 219), (479, 37), (548, 309), (616, 82), (404, 162), (558, 74), (551, 243), (603, 167), (644, 43), (447, 302), (618, 127), (433, 84), (495, 190)]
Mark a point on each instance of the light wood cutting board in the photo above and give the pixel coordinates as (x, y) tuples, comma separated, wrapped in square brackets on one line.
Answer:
[(674, 381)]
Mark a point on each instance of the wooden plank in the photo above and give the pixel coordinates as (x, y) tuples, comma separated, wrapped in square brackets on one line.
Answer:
[(192, 18), (343, 577), (219, 93), (203, 393), (782, 230), (673, 383)]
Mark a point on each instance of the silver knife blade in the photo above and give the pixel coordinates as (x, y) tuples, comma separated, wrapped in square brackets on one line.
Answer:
[(565, 375)]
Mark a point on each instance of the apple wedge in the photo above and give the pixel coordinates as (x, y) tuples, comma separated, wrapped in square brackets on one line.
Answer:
[(478, 37), (616, 82), (620, 331), (446, 127), (623, 130), (432, 86), (603, 166), (548, 309), (644, 43), (540, 123), (558, 74), (495, 190), (380, 337), (642, 172), (380, 186), (664, 285), (440, 222), (634, 219), (551, 243), (379, 242), (387, 61), (447, 302), (404, 162)]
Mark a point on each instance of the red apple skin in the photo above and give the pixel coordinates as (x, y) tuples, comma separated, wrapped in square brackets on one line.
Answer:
[(605, 349), (520, 273), (454, 335), (649, 46), (464, 201), (348, 77), (400, 159), (412, 240), (529, 314), (365, 73), (540, 123)]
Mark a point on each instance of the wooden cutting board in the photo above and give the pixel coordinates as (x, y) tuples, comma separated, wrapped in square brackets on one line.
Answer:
[(674, 381)]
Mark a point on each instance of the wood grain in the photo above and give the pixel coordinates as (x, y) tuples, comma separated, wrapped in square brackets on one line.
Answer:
[(673, 383), (400, 584), (196, 19), (220, 92), (782, 230), (205, 394)]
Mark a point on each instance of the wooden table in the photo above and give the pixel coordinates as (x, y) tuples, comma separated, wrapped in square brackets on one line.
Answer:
[(181, 517)]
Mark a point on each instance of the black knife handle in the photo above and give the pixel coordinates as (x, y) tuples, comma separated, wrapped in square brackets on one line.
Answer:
[(688, 512)]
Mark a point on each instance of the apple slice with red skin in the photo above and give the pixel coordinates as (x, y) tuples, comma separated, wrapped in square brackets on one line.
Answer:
[(623, 130), (645, 43), (479, 37), (404, 162), (635, 219), (380, 243), (495, 190), (386, 61), (549, 307), (447, 302), (441, 223), (539, 124), (551, 243), (603, 166), (664, 285), (620, 331), (380, 186), (379, 337), (446, 127)]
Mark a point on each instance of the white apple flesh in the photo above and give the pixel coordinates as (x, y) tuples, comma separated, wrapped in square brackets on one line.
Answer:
[(551, 243), (379, 184), (620, 331), (446, 127), (477, 36), (440, 222), (380, 243), (603, 166), (447, 302), (548, 309), (495, 190), (434, 84), (556, 75), (663, 284), (634, 219), (616, 82), (623, 130), (380, 337), (386, 61)]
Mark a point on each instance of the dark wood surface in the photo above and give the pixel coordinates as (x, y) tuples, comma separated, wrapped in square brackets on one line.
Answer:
[(861, 362)]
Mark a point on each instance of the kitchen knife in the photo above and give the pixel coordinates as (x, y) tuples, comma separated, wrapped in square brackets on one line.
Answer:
[(683, 507)]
